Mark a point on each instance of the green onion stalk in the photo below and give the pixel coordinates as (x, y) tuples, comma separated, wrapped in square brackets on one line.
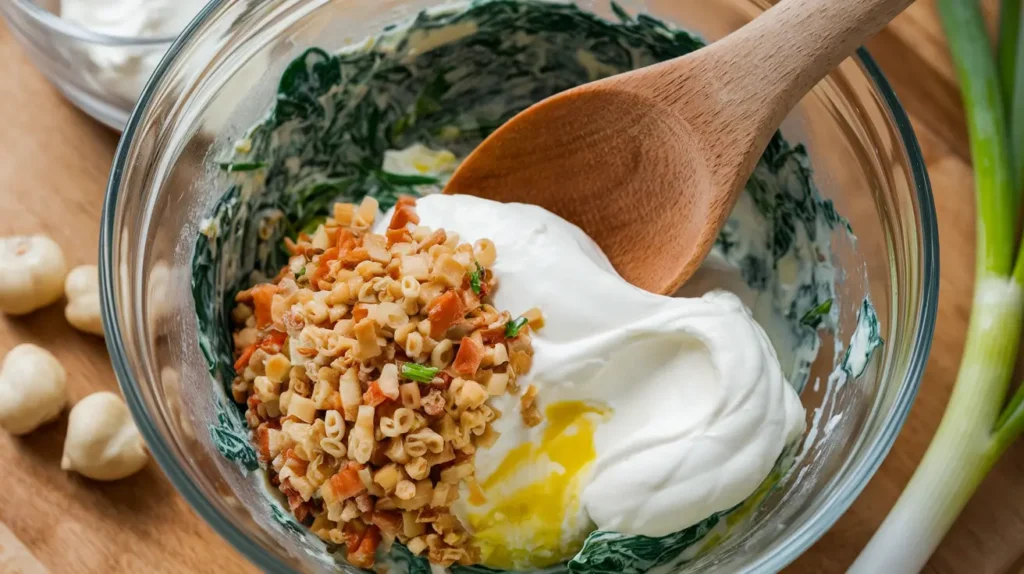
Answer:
[(980, 421)]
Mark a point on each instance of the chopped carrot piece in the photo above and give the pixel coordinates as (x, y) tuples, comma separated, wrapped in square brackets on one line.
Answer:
[(374, 395), (243, 360), (468, 359), (366, 554), (330, 254), (355, 257), (263, 442), (353, 532), (360, 312), (347, 483), (405, 200), (272, 341), (345, 241), (444, 311), (291, 246), (262, 298), (389, 521), (398, 236), (332, 232), (404, 215), (323, 267)]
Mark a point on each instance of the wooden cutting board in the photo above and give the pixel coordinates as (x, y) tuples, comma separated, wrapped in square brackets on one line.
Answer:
[(53, 170)]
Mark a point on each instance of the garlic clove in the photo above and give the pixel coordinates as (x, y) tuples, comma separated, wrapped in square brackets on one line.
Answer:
[(33, 273), (82, 289), (32, 389), (103, 442)]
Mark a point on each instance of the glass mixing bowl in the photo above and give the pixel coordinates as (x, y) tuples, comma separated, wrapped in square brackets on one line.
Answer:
[(220, 77)]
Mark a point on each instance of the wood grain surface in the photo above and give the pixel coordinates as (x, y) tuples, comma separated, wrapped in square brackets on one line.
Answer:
[(53, 168)]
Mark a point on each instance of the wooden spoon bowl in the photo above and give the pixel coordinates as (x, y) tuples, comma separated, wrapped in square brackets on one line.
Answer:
[(650, 163)]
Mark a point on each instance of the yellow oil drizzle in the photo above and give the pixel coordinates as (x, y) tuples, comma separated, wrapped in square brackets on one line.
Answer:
[(524, 528)]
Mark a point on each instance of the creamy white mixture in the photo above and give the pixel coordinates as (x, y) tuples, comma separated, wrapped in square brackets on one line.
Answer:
[(121, 70), (687, 404), (632, 389)]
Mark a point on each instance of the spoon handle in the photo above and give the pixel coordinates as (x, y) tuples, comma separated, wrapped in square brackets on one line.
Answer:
[(766, 67)]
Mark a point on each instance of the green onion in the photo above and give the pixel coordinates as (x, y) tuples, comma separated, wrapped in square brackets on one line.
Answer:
[(419, 373), (302, 271), (979, 423), (1011, 59), (406, 179), (813, 317), (1009, 29), (512, 327), (474, 278)]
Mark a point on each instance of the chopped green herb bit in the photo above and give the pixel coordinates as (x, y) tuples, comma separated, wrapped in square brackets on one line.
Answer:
[(231, 167), (302, 271), (419, 373), (404, 179), (512, 327), (474, 278), (813, 317)]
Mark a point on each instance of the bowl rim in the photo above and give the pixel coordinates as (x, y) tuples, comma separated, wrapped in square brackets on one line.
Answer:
[(51, 21), (844, 494)]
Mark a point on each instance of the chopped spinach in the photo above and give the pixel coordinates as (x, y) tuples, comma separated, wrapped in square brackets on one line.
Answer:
[(866, 338), (614, 553), (232, 440), (286, 520)]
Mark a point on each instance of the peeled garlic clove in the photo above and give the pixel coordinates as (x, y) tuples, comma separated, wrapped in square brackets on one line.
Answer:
[(82, 289), (33, 273), (32, 385), (102, 441)]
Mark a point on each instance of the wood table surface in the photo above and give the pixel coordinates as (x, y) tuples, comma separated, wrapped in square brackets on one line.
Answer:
[(54, 162)]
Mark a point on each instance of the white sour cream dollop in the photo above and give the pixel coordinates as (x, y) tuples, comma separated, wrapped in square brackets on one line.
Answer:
[(125, 71), (700, 410)]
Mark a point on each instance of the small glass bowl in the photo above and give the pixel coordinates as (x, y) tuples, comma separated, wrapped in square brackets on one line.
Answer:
[(103, 75), (220, 78)]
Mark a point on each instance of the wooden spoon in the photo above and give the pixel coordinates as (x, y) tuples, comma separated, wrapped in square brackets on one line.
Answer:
[(650, 163)]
